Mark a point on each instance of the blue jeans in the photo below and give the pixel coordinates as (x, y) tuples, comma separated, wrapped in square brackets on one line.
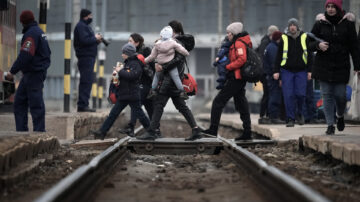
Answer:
[(294, 91), (116, 110), (334, 95)]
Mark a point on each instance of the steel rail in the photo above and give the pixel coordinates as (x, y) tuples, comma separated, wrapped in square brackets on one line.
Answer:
[(275, 183)]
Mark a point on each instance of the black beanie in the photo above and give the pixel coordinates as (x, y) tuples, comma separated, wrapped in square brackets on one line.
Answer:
[(84, 13)]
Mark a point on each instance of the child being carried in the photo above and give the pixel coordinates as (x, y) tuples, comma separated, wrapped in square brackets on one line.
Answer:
[(163, 52)]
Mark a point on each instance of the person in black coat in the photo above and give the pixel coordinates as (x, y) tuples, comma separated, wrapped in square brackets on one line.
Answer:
[(168, 89), (145, 84), (33, 61), (332, 61), (85, 44), (128, 91)]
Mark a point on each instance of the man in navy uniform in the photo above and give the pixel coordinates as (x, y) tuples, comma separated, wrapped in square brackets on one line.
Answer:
[(85, 43), (33, 61)]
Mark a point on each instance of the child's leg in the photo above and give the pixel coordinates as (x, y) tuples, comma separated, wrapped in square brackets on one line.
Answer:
[(155, 80), (174, 73)]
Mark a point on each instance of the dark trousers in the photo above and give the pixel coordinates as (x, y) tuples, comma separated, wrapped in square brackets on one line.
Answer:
[(86, 69), (29, 97), (117, 109), (265, 97), (233, 88), (160, 102), (309, 108), (294, 91), (275, 97), (148, 104)]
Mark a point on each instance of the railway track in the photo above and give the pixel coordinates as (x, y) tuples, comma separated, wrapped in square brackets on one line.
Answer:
[(273, 184)]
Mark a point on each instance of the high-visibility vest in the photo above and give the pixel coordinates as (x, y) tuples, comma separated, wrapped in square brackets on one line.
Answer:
[(286, 48)]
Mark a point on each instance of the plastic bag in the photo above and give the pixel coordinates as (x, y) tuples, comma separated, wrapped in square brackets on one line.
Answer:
[(354, 109)]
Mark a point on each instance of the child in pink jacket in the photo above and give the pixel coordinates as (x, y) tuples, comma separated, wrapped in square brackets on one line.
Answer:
[(163, 52)]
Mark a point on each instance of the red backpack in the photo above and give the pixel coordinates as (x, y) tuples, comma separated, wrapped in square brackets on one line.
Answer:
[(189, 84)]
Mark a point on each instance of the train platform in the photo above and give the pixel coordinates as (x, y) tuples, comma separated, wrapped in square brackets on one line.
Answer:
[(344, 145)]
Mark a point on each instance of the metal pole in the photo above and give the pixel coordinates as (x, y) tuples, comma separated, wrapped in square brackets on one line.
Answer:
[(94, 85), (67, 55), (220, 19), (103, 55), (42, 15)]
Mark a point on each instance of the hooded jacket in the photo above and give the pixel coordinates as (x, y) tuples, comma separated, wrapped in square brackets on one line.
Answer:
[(333, 65), (237, 54)]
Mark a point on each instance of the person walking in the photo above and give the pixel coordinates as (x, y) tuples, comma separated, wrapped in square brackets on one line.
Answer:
[(145, 84), (235, 86), (332, 60), (128, 91), (293, 63), (168, 90), (33, 61), (85, 44)]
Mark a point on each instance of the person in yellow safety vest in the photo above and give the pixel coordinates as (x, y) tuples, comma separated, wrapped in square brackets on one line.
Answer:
[(293, 67)]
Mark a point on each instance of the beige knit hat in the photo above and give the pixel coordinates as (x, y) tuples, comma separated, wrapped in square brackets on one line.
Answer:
[(235, 28), (272, 29)]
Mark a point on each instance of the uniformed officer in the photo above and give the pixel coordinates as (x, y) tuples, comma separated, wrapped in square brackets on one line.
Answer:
[(85, 43), (33, 61)]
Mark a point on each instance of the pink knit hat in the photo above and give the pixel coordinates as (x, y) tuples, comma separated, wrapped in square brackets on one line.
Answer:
[(337, 3)]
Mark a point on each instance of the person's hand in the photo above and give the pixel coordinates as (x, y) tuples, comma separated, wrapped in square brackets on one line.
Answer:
[(323, 46), (9, 76), (216, 59), (280, 83), (276, 76), (309, 76), (98, 37), (158, 67)]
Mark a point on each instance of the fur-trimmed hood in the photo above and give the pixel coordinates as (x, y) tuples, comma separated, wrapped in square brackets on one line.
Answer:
[(349, 16)]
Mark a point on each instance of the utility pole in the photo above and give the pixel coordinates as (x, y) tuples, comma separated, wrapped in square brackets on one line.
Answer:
[(94, 85), (102, 54), (43, 4), (67, 55)]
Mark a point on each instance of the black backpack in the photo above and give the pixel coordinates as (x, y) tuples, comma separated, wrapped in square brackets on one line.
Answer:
[(252, 70)]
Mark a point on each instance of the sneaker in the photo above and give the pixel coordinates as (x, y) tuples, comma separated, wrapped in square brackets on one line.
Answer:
[(152, 94), (98, 134), (290, 123), (183, 95), (340, 124), (196, 134), (246, 135), (147, 136), (330, 130), (209, 133)]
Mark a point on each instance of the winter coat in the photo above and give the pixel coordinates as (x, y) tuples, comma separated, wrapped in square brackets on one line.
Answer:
[(85, 43), (164, 51), (294, 62), (333, 65), (129, 77), (269, 57), (237, 54), (167, 86), (149, 69), (260, 50)]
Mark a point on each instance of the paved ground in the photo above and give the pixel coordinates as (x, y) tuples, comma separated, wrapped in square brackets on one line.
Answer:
[(343, 145)]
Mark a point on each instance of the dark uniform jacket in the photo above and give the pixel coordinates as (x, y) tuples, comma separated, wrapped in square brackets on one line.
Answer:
[(269, 58), (34, 57), (85, 43), (333, 65), (129, 77), (294, 62)]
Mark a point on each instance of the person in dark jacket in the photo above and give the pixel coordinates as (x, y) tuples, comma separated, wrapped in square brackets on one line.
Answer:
[(234, 86), (128, 91), (264, 112), (221, 60), (33, 61), (332, 60), (85, 44), (168, 89), (145, 84), (273, 86), (293, 62)]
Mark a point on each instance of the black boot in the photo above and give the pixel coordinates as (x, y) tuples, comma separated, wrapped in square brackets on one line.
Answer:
[(300, 119), (148, 135), (290, 123), (246, 135), (158, 133), (196, 134), (129, 130), (98, 134), (183, 95), (330, 130), (210, 133), (340, 124)]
